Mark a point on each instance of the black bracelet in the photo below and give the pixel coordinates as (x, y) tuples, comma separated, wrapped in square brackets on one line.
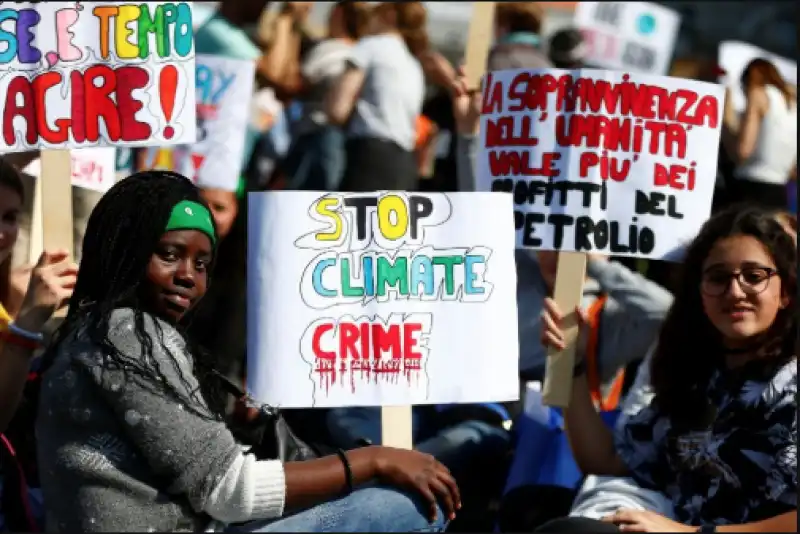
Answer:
[(707, 528), (348, 471)]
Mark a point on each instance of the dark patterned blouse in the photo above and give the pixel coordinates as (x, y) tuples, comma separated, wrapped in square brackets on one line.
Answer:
[(742, 468)]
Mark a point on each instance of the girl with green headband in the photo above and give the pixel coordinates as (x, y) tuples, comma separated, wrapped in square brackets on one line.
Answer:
[(131, 426)]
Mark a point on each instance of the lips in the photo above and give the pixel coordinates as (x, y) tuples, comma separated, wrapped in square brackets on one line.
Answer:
[(178, 299)]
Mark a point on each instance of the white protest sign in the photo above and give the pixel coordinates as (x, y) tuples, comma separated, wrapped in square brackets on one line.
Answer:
[(629, 36), (734, 57), (381, 299), (85, 74), (601, 161), (224, 94), (92, 168)]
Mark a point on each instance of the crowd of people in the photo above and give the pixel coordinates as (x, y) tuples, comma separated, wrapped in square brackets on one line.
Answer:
[(129, 413)]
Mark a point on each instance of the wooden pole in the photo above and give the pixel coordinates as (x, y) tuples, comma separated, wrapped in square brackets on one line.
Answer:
[(568, 293)]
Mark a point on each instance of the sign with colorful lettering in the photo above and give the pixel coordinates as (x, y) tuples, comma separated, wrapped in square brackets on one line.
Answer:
[(601, 161), (381, 299), (629, 36), (84, 74)]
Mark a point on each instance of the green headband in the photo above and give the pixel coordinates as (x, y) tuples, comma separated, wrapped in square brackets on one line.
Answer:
[(189, 215)]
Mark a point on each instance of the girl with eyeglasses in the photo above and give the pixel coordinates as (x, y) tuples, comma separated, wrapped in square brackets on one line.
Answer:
[(719, 438)]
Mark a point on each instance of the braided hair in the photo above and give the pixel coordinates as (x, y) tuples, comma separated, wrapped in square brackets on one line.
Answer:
[(121, 235)]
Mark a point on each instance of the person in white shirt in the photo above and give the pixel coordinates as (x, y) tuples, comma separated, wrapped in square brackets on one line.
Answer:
[(379, 97), (765, 145)]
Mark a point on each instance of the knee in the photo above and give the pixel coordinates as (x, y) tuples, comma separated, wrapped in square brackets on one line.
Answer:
[(409, 512)]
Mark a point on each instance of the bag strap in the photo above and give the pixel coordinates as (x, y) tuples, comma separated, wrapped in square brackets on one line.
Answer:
[(611, 401)]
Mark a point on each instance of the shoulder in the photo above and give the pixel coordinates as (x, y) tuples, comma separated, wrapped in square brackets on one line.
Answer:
[(124, 334), (218, 37)]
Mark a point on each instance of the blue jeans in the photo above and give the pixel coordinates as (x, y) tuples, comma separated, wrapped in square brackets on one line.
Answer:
[(315, 161), (457, 447), (371, 509)]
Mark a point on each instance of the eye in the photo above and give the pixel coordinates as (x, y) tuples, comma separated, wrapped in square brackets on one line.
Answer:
[(755, 275), (168, 254), (718, 277)]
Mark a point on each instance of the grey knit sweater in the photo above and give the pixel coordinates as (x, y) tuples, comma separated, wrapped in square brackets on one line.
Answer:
[(116, 455)]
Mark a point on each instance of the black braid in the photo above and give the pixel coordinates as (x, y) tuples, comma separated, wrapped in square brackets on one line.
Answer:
[(121, 235)]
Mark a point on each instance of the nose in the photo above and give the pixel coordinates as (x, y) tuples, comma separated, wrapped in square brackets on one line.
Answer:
[(185, 273), (735, 289)]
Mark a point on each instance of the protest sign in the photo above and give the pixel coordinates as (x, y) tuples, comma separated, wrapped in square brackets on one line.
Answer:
[(734, 57), (600, 161), (96, 73), (372, 299), (629, 36), (92, 168), (224, 94)]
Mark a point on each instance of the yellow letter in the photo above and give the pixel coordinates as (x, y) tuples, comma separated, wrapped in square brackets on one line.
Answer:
[(323, 208), (387, 205), (126, 49)]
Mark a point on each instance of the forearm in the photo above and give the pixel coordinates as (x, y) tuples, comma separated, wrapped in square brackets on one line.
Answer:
[(275, 63), (591, 441), (466, 148), (783, 523), (15, 362), (633, 292), (316, 481)]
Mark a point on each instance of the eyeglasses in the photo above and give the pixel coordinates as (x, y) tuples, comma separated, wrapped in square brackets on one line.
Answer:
[(752, 280)]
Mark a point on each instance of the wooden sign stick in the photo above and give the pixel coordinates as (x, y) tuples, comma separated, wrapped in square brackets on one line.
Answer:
[(396, 421), (51, 225), (568, 293)]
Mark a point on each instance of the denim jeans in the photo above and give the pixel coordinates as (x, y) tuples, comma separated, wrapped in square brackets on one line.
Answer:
[(316, 160), (458, 447), (371, 509)]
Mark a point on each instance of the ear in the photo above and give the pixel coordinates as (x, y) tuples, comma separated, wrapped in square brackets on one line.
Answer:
[(785, 300)]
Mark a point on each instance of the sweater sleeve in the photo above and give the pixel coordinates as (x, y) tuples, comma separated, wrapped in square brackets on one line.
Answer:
[(632, 317), (190, 452)]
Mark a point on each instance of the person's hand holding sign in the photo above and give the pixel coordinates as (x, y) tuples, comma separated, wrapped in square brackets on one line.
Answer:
[(50, 286), (466, 105)]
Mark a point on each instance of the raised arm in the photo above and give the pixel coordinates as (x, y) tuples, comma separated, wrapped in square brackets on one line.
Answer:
[(51, 283), (632, 316)]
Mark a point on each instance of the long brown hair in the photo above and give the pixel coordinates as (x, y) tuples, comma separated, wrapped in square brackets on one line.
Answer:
[(761, 72), (9, 179), (689, 347), (355, 16), (409, 19)]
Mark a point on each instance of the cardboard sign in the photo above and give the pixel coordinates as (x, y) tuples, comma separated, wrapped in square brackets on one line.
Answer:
[(92, 168), (734, 57), (376, 299), (629, 36), (600, 161), (86, 74)]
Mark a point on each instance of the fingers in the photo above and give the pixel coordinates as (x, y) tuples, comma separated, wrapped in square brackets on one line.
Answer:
[(551, 307), (426, 492), (445, 497), (49, 257), (452, 485)]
